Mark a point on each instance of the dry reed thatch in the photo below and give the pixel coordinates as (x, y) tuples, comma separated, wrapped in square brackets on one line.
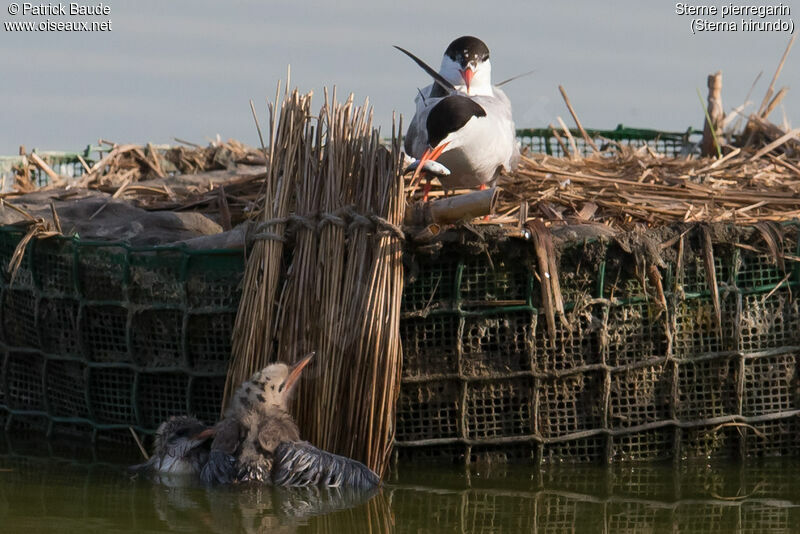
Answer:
[(179, 178), (340, 292), (630, 186), (131, 163)]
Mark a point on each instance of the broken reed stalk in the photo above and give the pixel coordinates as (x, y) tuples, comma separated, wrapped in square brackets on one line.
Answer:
[(576, 154), (711, 277), (552, 300), (774, 102), (575, 118), (714, 115), (45, 167), (771, 88), (559, 140), (139, 443)]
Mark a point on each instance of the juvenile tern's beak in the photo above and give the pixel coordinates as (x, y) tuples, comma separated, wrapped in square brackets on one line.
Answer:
[(467, 74), (294, 372)]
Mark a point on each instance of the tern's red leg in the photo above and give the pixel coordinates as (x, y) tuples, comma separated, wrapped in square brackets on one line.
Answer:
[(426, 189), (428, 155), (483, 187), (418, 170)]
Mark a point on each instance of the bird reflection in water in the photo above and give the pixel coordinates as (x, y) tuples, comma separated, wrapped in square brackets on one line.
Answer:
[(261, 509)]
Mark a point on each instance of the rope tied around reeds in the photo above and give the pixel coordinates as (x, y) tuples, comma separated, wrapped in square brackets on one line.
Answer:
[(347, 218)]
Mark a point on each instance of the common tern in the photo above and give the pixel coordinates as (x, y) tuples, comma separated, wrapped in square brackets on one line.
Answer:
[(462, 121)]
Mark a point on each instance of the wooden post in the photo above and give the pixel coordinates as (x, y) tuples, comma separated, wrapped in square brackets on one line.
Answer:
[(452, 209), (715, 112), (45, 167)]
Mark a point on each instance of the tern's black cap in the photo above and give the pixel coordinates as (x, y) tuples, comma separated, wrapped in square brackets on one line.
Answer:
[(449, 115), (466, 49)]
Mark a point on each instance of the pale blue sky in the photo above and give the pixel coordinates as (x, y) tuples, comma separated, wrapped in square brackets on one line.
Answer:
[(188, 69)]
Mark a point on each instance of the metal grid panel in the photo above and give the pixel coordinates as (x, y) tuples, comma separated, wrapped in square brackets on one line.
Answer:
[(497, 345), (66, 388), (156, 338), (208, 342), (570, 404), (499, 408), (430, 343)]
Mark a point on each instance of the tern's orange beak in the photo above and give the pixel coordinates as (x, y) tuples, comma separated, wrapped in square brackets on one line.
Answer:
[(425, 157), (467, 74), (428, 155), (294, 372)]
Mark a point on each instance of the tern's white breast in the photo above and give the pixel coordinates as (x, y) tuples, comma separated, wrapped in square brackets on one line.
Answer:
[(482, 147)]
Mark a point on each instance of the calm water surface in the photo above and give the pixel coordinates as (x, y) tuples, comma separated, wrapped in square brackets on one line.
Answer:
[(53, 487)]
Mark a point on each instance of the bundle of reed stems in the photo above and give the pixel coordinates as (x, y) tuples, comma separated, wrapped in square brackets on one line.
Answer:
[(255, 321), (341, 189)]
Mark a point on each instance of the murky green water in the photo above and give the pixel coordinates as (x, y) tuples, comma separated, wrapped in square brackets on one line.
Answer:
[(47, 487)]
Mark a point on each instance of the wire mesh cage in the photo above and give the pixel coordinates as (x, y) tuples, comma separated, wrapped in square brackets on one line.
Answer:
[(625, 378), (556, 142), (105, 336)]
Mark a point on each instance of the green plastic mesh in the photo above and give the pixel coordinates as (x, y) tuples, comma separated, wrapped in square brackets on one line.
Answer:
[(624, 380), (105, 336), (100, 337), (671, 144)]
